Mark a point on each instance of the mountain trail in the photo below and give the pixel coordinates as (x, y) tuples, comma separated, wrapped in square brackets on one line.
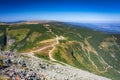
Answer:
[(31, 53), (91, 49)]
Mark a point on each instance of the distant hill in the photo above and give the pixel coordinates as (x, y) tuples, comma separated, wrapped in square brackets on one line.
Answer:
[(27, 22), (2, 23), (95, 51)]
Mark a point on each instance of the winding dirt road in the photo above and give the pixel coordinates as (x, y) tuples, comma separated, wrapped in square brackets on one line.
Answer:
[(31, 53)]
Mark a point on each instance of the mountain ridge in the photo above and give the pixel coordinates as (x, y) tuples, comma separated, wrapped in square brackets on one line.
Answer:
[(77, 46)]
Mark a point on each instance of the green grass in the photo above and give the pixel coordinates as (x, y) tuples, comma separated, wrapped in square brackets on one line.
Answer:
[(42, 56)]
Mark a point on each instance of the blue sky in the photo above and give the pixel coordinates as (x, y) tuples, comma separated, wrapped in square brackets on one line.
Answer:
[(61, 10)]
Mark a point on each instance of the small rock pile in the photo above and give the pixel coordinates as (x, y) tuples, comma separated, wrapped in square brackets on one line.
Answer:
[(15, 68)]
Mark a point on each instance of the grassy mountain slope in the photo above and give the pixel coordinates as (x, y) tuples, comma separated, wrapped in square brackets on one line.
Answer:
[(87, 49)]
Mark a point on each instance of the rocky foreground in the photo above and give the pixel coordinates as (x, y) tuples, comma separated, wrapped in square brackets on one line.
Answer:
[(28, 67)]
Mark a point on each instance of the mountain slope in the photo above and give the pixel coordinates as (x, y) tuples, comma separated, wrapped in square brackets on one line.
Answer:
[(90, 50)]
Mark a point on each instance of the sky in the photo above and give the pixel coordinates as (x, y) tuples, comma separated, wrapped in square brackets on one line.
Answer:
[(60, 10)]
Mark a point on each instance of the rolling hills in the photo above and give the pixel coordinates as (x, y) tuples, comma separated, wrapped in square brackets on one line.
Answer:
[(91, 50)]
